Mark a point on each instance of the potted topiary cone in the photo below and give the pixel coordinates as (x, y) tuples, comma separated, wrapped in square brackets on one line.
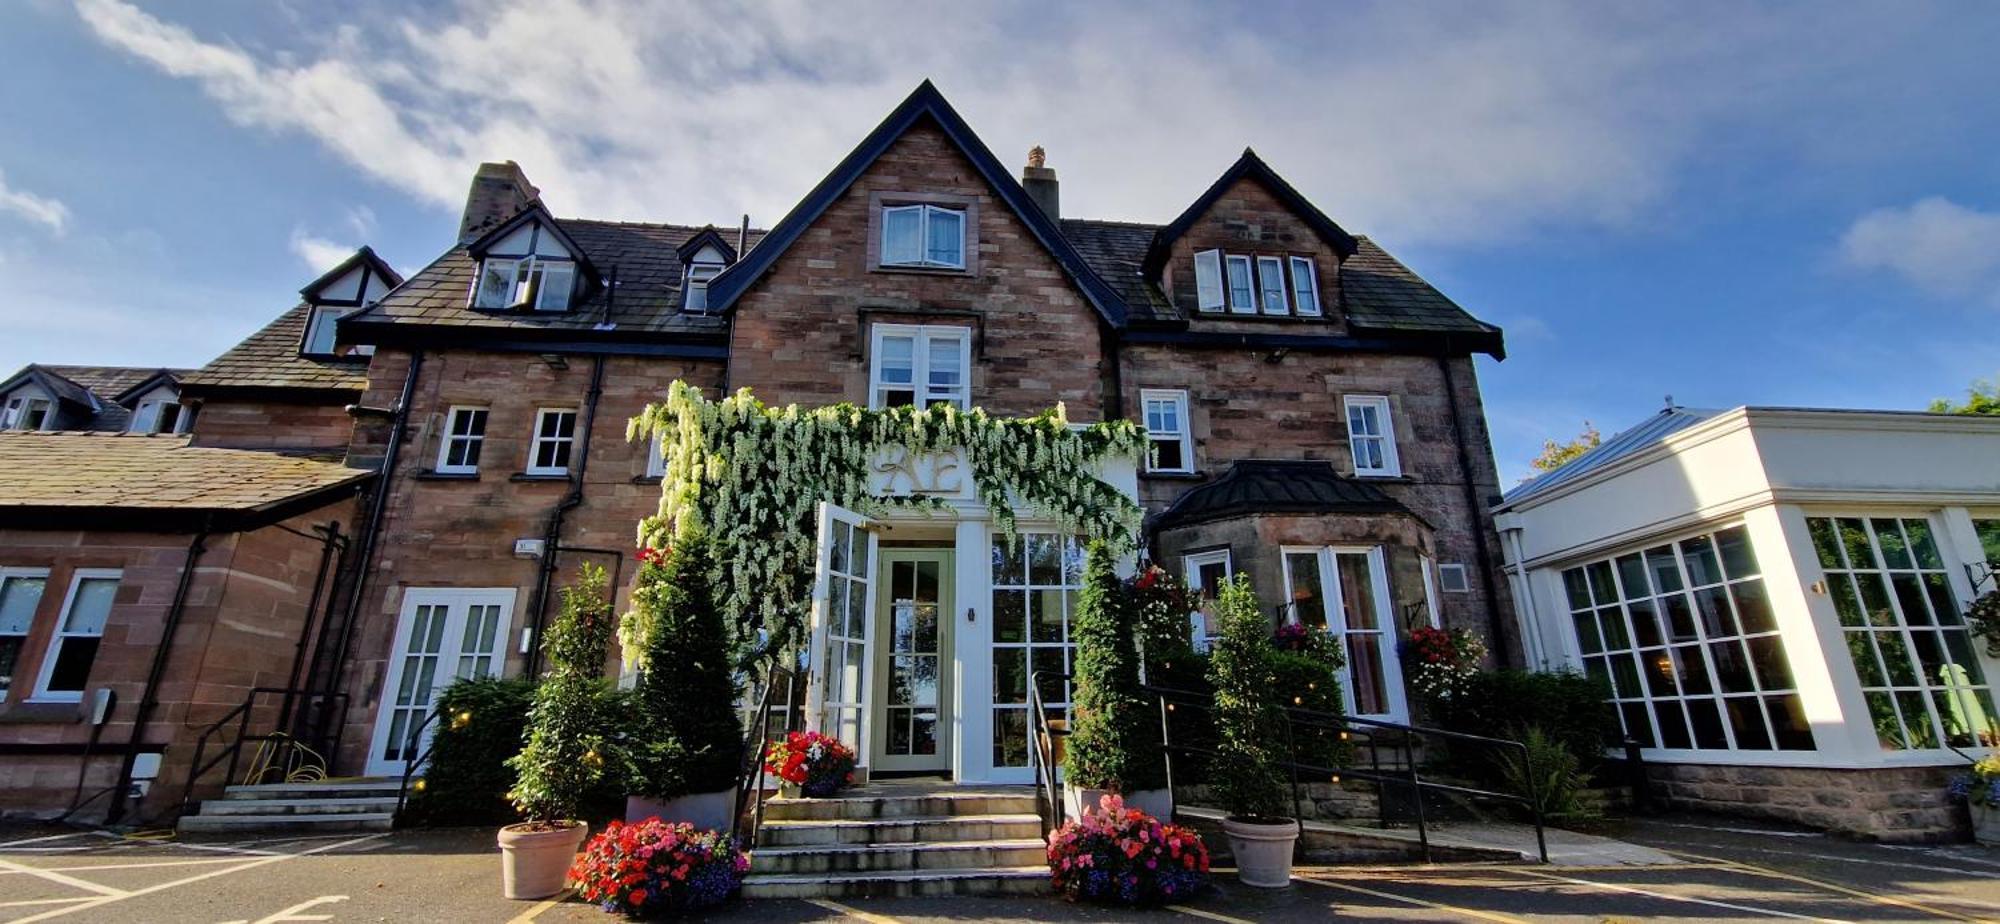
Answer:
[(565, 753), (1250, 730), (1114, 743), (689, 751)]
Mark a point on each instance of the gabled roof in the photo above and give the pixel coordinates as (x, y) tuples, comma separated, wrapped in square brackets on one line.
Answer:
[(98, 391), (537, 213), (925, 103), (1252, 167), (366, 255), (706, 237), (1278, 486), (170, 378), (268, 362), (1648, 432)]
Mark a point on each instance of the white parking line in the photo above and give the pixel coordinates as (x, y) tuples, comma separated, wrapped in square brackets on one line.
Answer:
[(211, 874), (1666, 896), (90, 867), (46, 901), (38, 840), (60, 878)]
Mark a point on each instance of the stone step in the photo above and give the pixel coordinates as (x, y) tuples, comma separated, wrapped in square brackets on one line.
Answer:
[(936, 855), (997, 880), (910, 806), (346, 821), (370, 804), (329, 789), (925, 829)]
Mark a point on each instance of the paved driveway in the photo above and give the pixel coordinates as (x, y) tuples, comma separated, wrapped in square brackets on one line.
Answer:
[(1726, 872)]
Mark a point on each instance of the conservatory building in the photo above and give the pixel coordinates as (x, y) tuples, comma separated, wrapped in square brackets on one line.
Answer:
[(1775, 600)]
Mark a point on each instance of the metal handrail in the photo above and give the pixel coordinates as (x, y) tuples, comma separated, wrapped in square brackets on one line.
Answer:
[(414, 758), (1048, 786), (750, 781), (240, 715)]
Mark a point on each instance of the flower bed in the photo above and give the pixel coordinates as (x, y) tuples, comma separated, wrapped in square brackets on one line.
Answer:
[(818, 764), (1127, 857), (1980, 785), (651, 869)]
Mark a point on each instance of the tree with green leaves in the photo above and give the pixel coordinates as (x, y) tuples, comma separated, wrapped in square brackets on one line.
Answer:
[(1250, 722), (567, 750), (1982, 398), (691, 739), (1556, 455), (1114, 741)]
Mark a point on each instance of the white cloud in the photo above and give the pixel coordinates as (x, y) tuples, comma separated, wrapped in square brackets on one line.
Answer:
[(1936, 244), (319, 254), (42, 210)]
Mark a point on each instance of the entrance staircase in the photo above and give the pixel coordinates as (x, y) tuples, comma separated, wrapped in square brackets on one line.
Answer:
[(901, 839), (326, 806)]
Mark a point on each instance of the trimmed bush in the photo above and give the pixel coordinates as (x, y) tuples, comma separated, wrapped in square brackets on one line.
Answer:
[(1247, 771), (467, 779), (1569, 707), (568, 748), (1115, 741), (690, 738)]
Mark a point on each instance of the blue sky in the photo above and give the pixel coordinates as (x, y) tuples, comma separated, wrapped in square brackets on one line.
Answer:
[(1793, 204)]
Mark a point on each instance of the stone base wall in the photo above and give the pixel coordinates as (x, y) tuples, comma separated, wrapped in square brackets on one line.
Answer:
[(1318, 801), (1903, 804)]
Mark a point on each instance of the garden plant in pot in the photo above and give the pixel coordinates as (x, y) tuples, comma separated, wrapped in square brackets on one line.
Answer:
[(566, 752), (1250, 728), (1979, 786), (689, 747), (1114, 742), (810, 764)]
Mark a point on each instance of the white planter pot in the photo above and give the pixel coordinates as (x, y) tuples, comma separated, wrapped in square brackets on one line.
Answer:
[(707, 810), (535, 863), (1158, 803), (1986, 825), (1263, 851)]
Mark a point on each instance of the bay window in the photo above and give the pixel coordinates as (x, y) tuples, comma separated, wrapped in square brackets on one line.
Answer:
[(1345, 591), (919, 365)]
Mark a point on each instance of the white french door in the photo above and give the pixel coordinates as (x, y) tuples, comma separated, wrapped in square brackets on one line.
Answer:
[(843, 603), (1345, 590), (442, 635)]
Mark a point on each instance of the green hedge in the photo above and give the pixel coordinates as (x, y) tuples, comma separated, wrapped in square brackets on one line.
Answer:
[(467, 779), (1571, 709)]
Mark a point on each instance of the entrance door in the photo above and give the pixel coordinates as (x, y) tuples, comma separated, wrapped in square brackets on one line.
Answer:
[(843, 601), (913, 664), (443, 634)]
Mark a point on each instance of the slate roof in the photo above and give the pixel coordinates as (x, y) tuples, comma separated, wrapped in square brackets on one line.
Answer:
[(1115, 250), (1648, 432), (151, 481), (1254, 486), (97, 387), (270, 358)]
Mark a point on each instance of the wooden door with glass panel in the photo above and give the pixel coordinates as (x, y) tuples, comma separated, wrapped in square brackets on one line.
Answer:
[(913, 667)]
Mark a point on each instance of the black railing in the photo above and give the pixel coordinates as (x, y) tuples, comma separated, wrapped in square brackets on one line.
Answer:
[(750, 781), (285, 749), (1041, 742), (414, 757)]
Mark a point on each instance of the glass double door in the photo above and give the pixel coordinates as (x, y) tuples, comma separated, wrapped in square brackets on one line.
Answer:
[(913, 661), (443, 635)]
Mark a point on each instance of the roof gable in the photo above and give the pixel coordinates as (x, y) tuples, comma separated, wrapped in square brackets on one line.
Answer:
[(924, 103), (537, 215), (1250, 167), (167, 378), (52, 383), (330, 288), (706, 237)]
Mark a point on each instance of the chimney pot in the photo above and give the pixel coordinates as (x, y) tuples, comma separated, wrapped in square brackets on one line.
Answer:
[(499, 192), (1040, 182)]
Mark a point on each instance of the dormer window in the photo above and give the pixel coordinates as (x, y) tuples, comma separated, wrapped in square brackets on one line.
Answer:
[(923, 236), (538, 283), (320, 330), (27, 412), (158, 415)]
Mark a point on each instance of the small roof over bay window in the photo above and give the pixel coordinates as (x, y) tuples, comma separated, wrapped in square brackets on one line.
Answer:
[(529, 263)]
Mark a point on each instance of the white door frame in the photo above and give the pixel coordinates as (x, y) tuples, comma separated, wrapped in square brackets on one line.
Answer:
[(945, 654), (837, 523), (451, 649), (1336, 620)]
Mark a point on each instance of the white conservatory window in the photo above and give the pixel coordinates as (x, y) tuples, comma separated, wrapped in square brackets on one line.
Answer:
[(1036, 579)]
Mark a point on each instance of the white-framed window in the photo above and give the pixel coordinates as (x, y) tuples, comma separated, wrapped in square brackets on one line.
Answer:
[(1371, 436), (1905, 632), (1205, 573), (1429, 567), (464, 437), (1684, 636), (73, 647), (541, 283), (1452, 578), (555, 435), (920, 365), (1305, 286), (1208, 280), (1271, 285), (923, 235), (656, 460), (1036, 579), (20, 595), (320, 323), (28, 412), (698, 275), (1345, 591), (1242, 292), (1167, 430), (158, 415)]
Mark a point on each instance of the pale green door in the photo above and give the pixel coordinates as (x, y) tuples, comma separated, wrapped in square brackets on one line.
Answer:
[(913, 671)]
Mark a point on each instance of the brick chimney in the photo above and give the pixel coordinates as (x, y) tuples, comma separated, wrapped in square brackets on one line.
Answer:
[(499, 191), (1040, 181)]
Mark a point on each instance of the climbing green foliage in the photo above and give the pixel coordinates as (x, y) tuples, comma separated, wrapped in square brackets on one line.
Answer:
[(1248, 769), (568, 746), (689, 738), (1114, 742)]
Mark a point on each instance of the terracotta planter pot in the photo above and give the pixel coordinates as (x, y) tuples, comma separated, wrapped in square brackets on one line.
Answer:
[(1986, 825), (1263, 850), (534, 861), (708, 810)]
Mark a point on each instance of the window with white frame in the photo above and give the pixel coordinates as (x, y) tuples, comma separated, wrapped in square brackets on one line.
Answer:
[(73, 647), (1271, 285), (1684, 637), (1305, 286), (555, 435), (698, 275), (1205, 573), (923, 235), (1345, 591), (656, 459), (464, 438), (319, 339), (1208, 280), (1905, 633), (919, 365), (158, 415), (20, 595), (1242, 292), (1036, 579), (537, 282), (1371, 436), (1171, 449), (1452, 578), (28, 412)]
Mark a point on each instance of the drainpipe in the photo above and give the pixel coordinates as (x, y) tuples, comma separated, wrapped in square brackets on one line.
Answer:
[(552, 536), (1531, 636), (149, 699), (1479, 521)]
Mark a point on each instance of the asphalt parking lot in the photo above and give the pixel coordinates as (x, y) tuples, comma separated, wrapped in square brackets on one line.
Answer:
[(1726, 871)]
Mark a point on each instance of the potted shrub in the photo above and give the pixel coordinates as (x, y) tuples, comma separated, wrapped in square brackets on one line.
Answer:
[(654, 868), (810, 764), (1114, 742), (688, 753), (1120, 855), (1251, 741), (1980, 788), (565, 753)]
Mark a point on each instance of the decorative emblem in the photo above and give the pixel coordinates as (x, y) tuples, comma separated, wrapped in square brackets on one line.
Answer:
[(900, 471)]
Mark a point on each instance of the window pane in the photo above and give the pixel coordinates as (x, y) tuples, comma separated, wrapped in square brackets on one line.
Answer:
[(947, 237), (1305, 288), (1302, 580), (946, 369), (496, 284), (1746, 719), (900, 230), (1208, 279), (558, 283), (897, 365), (72, 668), (19, 597), (1753, 606), (1241, 295), (1168, 455), (1737, 558), (92, 606), (1271, 282), (319, 339), (1357, 591), (1788, 722), (1699, 554)]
